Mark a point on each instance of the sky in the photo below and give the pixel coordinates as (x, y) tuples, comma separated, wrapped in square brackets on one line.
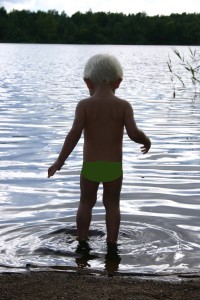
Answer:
[(150, 7)]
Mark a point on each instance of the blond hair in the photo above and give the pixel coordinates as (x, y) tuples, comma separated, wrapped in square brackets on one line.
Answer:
[(103, 69)]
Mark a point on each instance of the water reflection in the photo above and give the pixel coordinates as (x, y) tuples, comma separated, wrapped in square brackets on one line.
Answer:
[(112, 257), (142, 248), (160, 194)]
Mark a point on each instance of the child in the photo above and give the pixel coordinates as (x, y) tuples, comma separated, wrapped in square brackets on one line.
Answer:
[(102, 117)]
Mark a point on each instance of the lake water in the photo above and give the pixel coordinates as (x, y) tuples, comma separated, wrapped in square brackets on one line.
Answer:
[(40, 86)]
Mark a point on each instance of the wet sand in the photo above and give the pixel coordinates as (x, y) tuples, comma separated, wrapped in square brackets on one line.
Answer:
[(61, 285)]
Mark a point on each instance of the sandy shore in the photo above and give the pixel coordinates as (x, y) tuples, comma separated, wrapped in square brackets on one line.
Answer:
[(60, 285)]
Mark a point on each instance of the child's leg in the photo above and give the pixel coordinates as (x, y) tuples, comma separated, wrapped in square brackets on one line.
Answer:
[(111, 199), (87, 201)]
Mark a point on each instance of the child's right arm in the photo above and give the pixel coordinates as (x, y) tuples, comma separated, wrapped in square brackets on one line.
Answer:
[(134, 133), (70, 141)]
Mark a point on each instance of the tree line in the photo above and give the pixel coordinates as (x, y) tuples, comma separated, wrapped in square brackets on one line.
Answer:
[(98, 28)]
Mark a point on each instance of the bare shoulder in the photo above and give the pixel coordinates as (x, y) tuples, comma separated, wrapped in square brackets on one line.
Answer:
[(125, 105), (122, 105), (122, 101), (84, 103)]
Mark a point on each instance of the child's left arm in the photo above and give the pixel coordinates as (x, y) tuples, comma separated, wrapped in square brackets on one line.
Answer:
[(70, 141)]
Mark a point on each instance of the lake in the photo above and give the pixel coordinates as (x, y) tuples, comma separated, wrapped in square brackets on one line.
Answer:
[(40, 86)]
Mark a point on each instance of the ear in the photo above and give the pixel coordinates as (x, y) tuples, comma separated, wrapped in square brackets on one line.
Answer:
[(89, 83), (116, 83)]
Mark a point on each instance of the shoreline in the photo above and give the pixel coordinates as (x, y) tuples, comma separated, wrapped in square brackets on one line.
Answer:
[(59, 285)]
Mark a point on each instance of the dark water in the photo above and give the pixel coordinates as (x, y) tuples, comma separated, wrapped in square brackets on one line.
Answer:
[(160, 201)]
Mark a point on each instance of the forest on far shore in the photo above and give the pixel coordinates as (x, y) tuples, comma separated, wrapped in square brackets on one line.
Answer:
[(98, 28)]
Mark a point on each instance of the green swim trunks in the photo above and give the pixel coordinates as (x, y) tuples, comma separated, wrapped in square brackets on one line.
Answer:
[(102, 171)]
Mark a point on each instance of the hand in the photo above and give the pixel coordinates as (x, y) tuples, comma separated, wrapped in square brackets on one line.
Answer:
[(55, 167), (145, 148)]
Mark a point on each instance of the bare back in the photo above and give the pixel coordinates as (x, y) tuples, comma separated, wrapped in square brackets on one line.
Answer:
[(103, 129), (102, 117)]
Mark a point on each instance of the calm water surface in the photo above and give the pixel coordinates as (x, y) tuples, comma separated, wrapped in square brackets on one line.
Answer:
[(40, 86)]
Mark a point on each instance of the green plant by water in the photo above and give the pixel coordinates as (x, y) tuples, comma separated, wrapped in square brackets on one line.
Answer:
[(189, 65)]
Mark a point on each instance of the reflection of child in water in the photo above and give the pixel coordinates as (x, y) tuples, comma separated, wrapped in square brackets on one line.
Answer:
[(103, 117)]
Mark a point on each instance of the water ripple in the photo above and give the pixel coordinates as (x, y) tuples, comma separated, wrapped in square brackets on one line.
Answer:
[(39, 88)]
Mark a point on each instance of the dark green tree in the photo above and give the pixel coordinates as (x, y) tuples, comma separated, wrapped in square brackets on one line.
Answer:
[(99, 28)]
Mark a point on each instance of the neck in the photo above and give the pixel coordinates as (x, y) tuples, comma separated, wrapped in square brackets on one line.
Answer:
[(102, 89)]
